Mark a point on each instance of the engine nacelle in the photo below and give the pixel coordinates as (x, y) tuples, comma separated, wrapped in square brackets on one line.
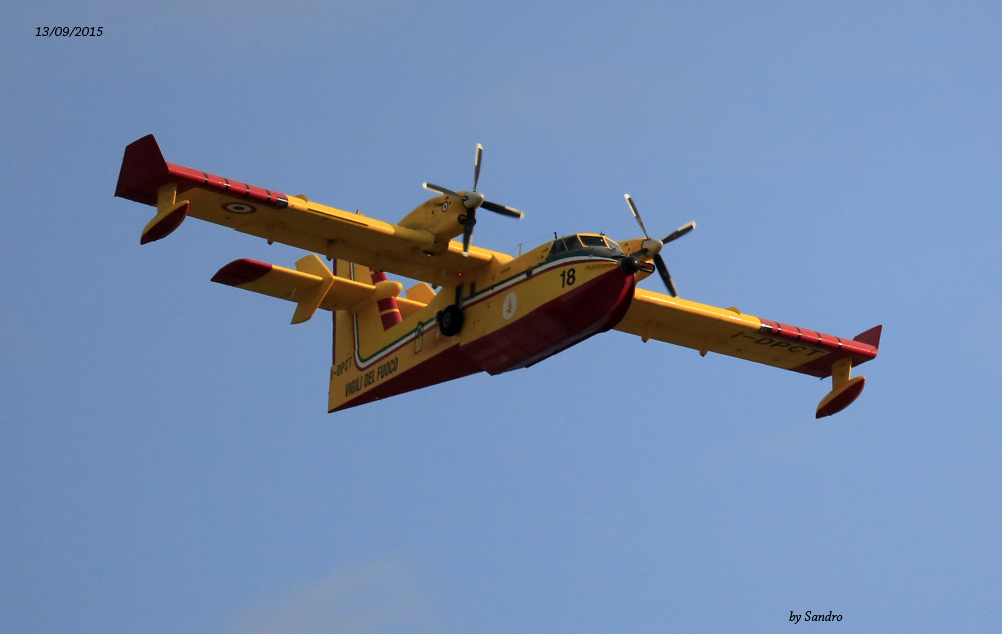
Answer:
[(443, 216)]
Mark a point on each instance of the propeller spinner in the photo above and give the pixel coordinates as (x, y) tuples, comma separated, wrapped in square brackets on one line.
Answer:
[(474, 200), (652, 247)]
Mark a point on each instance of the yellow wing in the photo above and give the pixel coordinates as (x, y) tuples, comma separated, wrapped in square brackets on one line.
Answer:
[(730, 332), (312, 286), (179, 191)]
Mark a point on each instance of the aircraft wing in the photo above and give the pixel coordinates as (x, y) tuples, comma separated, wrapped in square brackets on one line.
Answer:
[(179, 191), (730, 332), (312, 286)]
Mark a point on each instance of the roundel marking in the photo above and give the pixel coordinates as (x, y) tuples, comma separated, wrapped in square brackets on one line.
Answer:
[(510, 305), (445, 206), (240, 208)]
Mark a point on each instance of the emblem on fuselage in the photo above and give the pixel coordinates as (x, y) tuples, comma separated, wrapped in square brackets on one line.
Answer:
[(509, 306)]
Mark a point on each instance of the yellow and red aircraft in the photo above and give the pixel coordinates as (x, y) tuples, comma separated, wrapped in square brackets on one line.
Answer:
[(492, 312)]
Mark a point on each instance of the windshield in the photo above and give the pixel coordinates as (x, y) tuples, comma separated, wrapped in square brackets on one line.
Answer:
[(600, 241), (578, 241)]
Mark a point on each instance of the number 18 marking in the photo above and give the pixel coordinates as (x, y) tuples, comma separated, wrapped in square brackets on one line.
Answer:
[(567, 278)]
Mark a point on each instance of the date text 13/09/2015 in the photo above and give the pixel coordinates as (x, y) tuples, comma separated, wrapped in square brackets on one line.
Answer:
[(68, 31), (807, 616)]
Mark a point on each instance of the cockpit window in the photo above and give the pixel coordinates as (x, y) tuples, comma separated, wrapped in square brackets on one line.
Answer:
[(579, 241), (572, 242)]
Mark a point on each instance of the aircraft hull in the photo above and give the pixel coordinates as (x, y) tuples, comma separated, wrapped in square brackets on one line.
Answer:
[(545, 319), (593, 307)]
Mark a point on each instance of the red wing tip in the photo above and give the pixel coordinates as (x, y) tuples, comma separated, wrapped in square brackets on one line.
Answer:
[(143, 171), (241, 272), (870, 337)]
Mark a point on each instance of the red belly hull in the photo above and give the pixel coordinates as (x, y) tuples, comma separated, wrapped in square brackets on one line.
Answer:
[(592, 308)]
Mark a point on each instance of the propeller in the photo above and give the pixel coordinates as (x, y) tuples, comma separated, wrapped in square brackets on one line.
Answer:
[(474, 200), (652, 247)]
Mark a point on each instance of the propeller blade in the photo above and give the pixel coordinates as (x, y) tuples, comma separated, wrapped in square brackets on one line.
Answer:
[(659, 262), (678, 233), (473, 200), (511, 212), (441, 190), (476, 165), (636, 214), (468, 224)]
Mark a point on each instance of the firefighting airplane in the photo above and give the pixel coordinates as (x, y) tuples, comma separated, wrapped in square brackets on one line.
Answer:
[(492, 312)]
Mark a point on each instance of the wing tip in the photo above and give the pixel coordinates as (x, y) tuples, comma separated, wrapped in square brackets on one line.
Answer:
[(241, 271), (144, 170), (870, 337)]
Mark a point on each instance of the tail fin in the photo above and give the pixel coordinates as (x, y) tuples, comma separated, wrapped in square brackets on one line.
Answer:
[(377, 314), (344, 327), (361, 331)]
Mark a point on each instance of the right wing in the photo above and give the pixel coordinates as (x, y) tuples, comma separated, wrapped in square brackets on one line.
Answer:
[(730, 332), (311, 285), (179, 191)]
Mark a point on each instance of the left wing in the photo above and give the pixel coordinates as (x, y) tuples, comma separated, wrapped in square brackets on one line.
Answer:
[(730, 332), (177, 191)]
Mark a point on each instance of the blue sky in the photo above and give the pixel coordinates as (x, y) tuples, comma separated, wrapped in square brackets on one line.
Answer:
[(166, 462)]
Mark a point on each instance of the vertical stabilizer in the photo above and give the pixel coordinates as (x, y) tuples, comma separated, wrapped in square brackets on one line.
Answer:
[(360, 333)]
